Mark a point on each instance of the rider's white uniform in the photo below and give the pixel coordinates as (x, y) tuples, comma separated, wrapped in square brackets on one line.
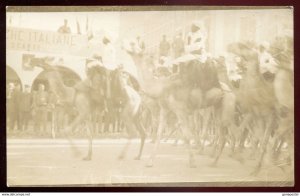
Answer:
[(197, 41), (194, 48), (267, 63), (126, 60), (109, 57)]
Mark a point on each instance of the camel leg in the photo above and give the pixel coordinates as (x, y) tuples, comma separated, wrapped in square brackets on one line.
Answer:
[(170, 134), (206, 118), (53, 124), (215, 144), (244, 131), (242, 140), (161, 126), (235, 153), (264, 146), (233, 144), (227, 119), (79, 119), (277, 147), (284, 135), (142, 133), (89, 127), (222, 140), (291, 147), (254, 146), (188, 135), (129, 128)]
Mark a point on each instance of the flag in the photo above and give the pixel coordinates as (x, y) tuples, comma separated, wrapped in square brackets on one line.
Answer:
[(87, 24), (78, 27), (88, 30), (90, 34)]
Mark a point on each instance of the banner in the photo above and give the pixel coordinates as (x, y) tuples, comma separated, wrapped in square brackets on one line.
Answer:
[(45, 41)]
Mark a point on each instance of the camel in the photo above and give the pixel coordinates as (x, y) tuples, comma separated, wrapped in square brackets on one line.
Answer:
[(86, 98), (175, 97), (257, 100), (81, 96), (282, 50), (130, 107)]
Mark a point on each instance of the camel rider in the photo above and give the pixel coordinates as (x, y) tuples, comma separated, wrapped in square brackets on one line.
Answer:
[(95, 60), (196, 40), (266, 62), (130, 47), (108, 58), (97, 90), (91, 83), (195, 47), (198, 67)]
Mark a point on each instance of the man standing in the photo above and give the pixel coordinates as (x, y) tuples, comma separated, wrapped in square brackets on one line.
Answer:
[(108, 59), (178, 48), (9, 104), (15, 109), (141, 44), (164, 47), (25, 107), (65, 28), (41, 102), (178, 45)]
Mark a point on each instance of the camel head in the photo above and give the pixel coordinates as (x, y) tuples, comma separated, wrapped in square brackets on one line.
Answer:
[(244, 55), (43, 63), (132, 48), (283, 51)]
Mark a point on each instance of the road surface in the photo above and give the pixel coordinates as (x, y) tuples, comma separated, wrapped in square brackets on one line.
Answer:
[(39, 162)]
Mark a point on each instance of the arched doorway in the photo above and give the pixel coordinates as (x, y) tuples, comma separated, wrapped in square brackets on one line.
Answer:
[(70, 78), (12, 76)]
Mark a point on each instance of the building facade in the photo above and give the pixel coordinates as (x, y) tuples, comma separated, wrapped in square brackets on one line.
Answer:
[(71, 50)]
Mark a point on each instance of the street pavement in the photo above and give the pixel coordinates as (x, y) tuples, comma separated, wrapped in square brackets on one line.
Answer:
[(50, 162)]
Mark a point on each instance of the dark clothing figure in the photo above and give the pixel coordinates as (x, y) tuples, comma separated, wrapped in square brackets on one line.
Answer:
[(65, 28), (25, 109), (178, 46), (141, 44), (9, 105), (164, 47), (15, 109), (41, 112)]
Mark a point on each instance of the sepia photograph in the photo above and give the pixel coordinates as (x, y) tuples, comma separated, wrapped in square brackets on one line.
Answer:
[(150, 96)]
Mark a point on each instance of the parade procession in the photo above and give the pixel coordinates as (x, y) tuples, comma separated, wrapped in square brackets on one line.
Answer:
[(150, 96)]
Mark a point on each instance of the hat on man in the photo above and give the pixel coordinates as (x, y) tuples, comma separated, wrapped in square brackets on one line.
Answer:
[(130, 44), (97, 56), (265, 45), (109, 36), (93, 62), (198, 24)]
